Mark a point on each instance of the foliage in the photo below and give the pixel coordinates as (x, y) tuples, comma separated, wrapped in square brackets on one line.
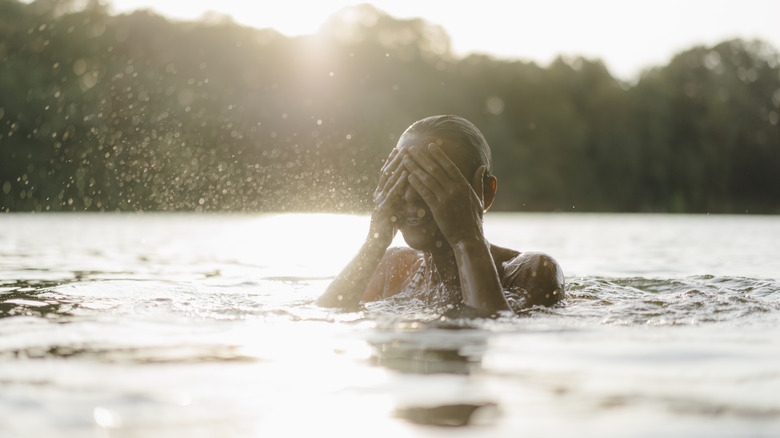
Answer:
[(134, 112)]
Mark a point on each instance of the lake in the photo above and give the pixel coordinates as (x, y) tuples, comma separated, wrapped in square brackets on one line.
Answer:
[(204, 325)]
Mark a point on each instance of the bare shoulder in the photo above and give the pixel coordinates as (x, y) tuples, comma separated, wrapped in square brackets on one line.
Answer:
[(399, 263), (394, 268), (399, 256), (536, 276)]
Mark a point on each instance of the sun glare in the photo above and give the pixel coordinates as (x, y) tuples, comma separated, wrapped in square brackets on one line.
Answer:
[(313, 243), (335, 391), (289, 17), (606, 29)]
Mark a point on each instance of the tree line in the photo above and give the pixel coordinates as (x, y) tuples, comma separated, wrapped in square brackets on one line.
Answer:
[(102, 112)]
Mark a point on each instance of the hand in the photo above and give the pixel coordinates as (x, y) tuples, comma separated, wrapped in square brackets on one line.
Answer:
[(453, 202), (387, 199)]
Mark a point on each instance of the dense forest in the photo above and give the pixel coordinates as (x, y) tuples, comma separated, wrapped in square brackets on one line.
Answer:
[(102, 112)]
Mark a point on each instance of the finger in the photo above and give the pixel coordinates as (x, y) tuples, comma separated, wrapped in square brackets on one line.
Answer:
[(424, 160), (388, 162), (398, 187), (426, 186), (396, 179), (392, 163), (424, 177), (445, 163), (390, 176), (389, 158), (439, 166), (393, 196), (425, 193)]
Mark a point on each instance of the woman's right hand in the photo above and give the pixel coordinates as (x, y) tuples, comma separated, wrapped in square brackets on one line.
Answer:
[(388, 197)]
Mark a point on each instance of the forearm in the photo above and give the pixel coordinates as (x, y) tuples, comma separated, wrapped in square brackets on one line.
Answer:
[(479, 280), (347, 289)]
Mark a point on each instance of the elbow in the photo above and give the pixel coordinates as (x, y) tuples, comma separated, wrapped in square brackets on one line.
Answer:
[(337, 301), (547, 285), (540, 278), (325, 301)]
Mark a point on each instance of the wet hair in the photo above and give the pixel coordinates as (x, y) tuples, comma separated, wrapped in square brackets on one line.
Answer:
[(460, 130)]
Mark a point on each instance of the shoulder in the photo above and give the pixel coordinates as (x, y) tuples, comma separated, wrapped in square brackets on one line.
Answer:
[(394, 268), (401, 256), (535, 275), (398, 264)]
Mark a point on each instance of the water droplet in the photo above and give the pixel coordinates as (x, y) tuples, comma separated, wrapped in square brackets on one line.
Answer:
[(494, 105)]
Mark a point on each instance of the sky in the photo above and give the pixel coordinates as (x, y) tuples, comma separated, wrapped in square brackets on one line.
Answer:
[(628, 36)]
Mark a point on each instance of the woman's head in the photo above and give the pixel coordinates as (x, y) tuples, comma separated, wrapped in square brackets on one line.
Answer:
[(460, 131), (468, 150)]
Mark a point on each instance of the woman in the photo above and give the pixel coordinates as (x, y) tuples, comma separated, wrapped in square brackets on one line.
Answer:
[(434, 188)]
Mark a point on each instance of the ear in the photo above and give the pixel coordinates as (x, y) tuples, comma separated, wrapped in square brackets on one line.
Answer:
[(485, 186), (489, 191)]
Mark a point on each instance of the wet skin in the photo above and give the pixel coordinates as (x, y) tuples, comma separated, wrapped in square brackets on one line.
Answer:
[(424, 192)]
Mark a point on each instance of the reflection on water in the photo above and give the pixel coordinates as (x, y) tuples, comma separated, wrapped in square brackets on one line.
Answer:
[(25, 298), (455, 415), (410, 359), (450, 346), (447, 348), (206, 326)]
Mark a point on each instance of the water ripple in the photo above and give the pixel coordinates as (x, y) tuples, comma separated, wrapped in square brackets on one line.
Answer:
[(692, 300)]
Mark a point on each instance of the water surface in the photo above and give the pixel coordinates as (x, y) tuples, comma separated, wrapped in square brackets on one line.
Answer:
[(205, 325)]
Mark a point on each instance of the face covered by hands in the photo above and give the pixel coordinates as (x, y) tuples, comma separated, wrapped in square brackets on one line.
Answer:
[(438, 189)]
